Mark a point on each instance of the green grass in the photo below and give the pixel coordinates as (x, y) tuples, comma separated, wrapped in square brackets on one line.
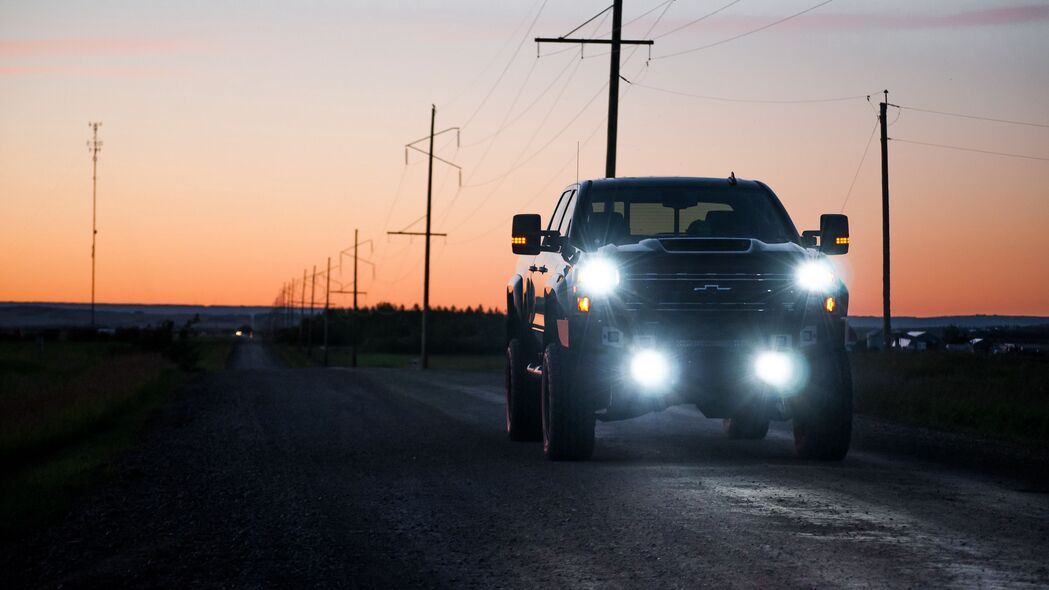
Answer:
[(293, 356), (1001, 396), (66, 409)]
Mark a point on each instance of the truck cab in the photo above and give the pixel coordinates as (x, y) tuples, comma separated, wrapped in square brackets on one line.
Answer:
[(641, 293)]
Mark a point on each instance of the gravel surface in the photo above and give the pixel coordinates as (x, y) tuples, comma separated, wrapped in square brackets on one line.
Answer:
[(266, 477)]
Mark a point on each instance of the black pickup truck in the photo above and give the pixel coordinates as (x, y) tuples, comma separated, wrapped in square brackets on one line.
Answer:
[(642, 293)]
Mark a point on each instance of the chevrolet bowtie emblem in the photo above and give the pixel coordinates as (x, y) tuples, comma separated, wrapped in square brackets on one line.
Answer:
[(712, 288)]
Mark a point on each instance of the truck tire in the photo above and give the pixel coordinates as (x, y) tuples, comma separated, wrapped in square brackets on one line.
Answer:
[(823, 413), (567, 418), (747, 425), (522, 396)]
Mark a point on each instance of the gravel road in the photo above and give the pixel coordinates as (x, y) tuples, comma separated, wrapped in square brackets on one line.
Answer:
[(265, 477)]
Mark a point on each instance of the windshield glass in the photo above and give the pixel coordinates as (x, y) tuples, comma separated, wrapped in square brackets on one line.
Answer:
[(627, 213)]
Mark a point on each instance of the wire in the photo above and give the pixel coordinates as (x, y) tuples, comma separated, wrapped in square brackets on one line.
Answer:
[(588, 21), (977, 117), (540, 96), (506, 68), (702, 18), (859, 167), (495, 57), (968, 149), (750, 100), (747, 33), (646, 13)]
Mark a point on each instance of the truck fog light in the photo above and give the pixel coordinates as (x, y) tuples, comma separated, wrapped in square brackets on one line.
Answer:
[(775, 368), (649, 368)]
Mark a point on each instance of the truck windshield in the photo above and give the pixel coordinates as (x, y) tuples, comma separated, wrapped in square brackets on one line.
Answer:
[(626, 214)]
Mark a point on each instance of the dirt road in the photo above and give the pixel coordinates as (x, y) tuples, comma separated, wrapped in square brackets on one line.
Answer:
[(387, 478)]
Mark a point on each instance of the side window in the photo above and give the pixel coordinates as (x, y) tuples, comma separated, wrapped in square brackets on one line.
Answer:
[(566, 215), (559, 211)]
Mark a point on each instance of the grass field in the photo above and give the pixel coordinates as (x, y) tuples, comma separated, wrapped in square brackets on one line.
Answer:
[(67, 408), (1002, 396)]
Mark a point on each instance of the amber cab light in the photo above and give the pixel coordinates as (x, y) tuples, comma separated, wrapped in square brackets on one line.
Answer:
[(830, 304), (583, 304)]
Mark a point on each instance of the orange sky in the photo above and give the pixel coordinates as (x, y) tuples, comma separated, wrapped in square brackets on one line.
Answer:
[(245, 144)]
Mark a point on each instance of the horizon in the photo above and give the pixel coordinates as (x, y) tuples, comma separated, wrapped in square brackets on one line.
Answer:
[(243, 146)]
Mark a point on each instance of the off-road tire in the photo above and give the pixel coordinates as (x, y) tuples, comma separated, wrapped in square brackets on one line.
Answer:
[(823, 412), (523, 422), (567, 418)]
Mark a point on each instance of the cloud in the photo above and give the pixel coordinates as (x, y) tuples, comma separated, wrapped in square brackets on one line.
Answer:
[(1004, 16)]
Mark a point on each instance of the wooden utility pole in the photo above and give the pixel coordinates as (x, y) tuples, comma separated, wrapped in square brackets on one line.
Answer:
[(94, 146), (613, 74), (424, 352), (353, 356), (302, 306), (426, 264), (886, 312), (309, 331), (327, 302)]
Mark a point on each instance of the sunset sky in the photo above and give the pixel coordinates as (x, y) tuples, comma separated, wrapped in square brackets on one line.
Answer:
[(244, 141)]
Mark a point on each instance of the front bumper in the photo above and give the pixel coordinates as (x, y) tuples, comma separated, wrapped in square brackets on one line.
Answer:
[(711, 355)]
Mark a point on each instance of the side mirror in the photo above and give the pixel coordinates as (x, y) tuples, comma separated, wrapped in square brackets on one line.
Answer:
[(834, 234), (526, 234)]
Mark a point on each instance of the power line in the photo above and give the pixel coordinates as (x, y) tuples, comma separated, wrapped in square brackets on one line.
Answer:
[(968, 149), (495, 58), (977, 117), (749, 100), (859, 167), (648, 12), (747, 33), (506, 68), (702, 18)]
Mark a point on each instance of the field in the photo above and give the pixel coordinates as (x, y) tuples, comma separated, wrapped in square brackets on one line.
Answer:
[(1002, 396), (66, 408)]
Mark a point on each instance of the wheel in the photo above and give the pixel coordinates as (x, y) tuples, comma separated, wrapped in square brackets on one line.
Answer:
[(522, 396), (568, 420), (748, 423), (823, 413)]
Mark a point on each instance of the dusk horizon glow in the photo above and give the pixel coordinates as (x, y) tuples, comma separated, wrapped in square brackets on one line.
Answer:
[(242, 146)]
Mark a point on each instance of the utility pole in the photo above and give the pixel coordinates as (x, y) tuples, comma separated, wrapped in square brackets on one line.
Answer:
[(309, 332), (327, 301), (613, 73), (95, 146), (424, 348), (353, 358), (302, 306), (356, 291), (886, 312)]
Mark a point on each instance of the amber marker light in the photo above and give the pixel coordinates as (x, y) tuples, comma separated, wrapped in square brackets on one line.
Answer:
[(518, 240), (583, 304), (829, 304), (842, 240)]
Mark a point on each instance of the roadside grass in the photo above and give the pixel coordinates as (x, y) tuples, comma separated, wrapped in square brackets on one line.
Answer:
[(294, 356), (1001, 396), (67, 409)]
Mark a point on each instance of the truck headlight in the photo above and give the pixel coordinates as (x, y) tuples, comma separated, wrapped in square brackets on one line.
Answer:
[(599, 276), (814, 276)]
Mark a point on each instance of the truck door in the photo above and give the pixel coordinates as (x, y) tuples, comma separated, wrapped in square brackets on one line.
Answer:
[(548, 268)]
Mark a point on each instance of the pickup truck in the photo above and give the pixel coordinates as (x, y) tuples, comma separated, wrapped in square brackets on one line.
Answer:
[(642, 293)]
